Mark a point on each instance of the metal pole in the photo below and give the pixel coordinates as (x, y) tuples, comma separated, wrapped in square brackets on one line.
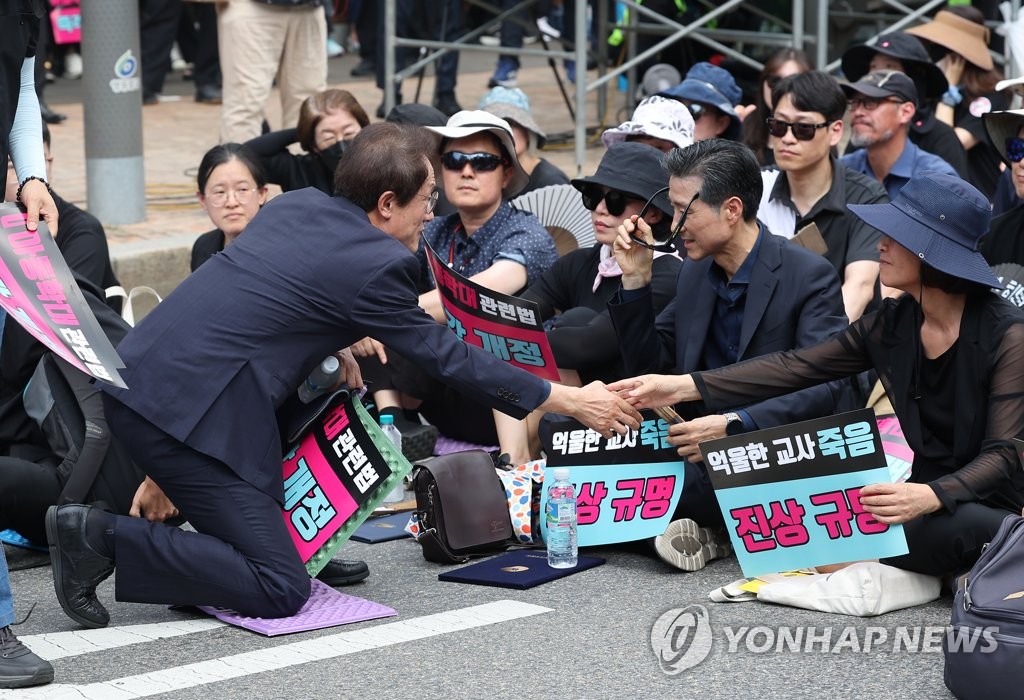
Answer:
[(115, 177), (582, 37), (821, 50), (389, 56)]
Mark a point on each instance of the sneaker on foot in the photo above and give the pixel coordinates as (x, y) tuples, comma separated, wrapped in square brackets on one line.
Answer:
[(688, 546), (19, 667), (334, 49), (504, 73), (545, 26)]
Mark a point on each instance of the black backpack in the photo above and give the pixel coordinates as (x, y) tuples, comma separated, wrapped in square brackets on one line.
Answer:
[(68, 408)]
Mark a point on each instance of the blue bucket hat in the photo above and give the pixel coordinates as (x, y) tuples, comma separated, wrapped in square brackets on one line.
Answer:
[(708, 84), (940, 219)]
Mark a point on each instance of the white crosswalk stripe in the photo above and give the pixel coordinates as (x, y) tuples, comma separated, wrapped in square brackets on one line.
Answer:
[(238, 665)]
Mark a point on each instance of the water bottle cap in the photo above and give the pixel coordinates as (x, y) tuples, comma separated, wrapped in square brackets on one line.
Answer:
[(562, 474), (330, 364), (387, 419)]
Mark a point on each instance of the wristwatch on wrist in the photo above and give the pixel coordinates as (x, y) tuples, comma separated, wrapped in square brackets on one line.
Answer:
[(952, 97), (734, 424)]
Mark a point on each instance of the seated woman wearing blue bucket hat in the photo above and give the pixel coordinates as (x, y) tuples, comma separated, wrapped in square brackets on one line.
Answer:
[(950, 355)]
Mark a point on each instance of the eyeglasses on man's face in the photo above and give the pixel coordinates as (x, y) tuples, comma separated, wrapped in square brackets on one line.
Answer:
[(871, 103), (431, 199), (801, 130), (676, 230), (480, 162)]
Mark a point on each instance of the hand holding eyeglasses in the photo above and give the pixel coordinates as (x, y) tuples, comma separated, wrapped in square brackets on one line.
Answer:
[(633, 252)]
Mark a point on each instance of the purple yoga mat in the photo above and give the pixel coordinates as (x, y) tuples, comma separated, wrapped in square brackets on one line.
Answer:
[(326, 607)]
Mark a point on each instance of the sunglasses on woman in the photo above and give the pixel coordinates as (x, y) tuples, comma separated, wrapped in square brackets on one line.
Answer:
[(676, 230), (614, 201), (1014, 149), (802, 132), (480, 162)]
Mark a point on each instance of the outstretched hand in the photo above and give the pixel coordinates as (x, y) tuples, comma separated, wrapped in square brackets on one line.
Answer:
[(656, 390)]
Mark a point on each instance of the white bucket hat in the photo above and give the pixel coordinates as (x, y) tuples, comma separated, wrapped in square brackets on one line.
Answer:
[(469, 122), (660, 117)]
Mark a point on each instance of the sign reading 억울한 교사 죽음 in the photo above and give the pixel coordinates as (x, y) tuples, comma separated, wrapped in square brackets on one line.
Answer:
[(627, 486), (507, 327), (38, 291), (790, 496)]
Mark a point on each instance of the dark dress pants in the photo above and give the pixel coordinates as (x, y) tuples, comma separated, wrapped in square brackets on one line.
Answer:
[(241, 556)]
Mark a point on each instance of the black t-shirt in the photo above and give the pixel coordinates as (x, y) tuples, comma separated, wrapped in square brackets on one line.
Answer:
[(1005, 240), (983, 161), (206, 246), (929, 134), (544, 175)]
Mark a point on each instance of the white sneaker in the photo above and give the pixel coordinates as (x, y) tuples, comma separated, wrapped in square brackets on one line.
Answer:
[(688, 546), (545, 26), (73, 66), (490, 40), (334, 49)]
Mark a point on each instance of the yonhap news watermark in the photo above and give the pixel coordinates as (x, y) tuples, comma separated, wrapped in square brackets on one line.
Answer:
[(682, 638)]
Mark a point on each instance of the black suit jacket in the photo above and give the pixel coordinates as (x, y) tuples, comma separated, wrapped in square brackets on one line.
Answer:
[(213, 362), (794, 299)]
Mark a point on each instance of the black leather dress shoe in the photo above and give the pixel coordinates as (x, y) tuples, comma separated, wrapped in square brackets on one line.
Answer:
[(341, 572), (77, 568), (49, 116)]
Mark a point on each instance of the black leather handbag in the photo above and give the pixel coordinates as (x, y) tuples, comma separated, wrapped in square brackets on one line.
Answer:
[(461, 507)]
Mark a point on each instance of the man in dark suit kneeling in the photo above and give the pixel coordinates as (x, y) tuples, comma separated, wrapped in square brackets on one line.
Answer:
[(208, 368)]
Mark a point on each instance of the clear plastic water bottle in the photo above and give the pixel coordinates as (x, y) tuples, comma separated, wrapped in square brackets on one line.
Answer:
[(387, 425), (561, 521), (323, 377)]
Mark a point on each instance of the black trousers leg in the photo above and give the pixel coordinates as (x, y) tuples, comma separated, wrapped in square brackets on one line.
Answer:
[(943, 543), (27, 489), (158, 27), (241, 556)]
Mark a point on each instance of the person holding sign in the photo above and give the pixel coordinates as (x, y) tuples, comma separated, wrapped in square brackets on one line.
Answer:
[(949, 353), (499, 247), (209, 367), (743, 292), (20, 127)]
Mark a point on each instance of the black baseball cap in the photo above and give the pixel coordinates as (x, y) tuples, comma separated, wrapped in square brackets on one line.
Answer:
[(884, 83)]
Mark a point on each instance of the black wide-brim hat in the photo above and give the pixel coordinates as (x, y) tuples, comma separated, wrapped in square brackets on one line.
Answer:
[(940, 219), (909, 51), (633, 168)]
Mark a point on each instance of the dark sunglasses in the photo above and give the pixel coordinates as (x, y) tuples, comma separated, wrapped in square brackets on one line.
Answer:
[(802, 132), (1014, 149), (614, 201), (675, 229), (480, 162)]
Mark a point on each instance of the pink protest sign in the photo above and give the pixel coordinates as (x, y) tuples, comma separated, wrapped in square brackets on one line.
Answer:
[(339, 471), (66, 20), (38, 291), (507, 327)]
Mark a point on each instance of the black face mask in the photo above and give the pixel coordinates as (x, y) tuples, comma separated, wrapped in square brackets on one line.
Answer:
[(331, 155)]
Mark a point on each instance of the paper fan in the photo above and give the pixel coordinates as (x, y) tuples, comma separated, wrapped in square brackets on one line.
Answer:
[(561, 211), (1012, 277)]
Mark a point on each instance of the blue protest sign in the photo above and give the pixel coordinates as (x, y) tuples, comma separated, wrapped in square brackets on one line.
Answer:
[(627, 487), (790, 495)]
